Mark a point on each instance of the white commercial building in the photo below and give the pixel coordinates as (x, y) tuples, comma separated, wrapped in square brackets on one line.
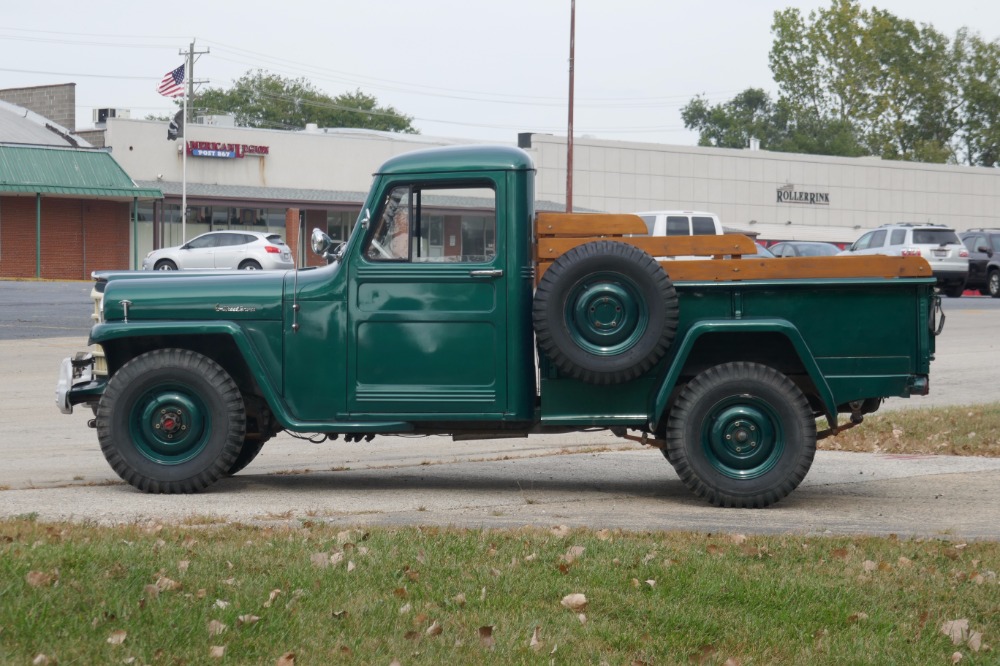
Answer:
[(240, 178)]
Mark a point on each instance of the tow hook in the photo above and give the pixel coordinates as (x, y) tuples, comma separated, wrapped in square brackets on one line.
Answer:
[(92, 423)]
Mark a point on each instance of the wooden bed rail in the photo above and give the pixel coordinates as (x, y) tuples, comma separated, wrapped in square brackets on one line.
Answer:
[(557, 233)]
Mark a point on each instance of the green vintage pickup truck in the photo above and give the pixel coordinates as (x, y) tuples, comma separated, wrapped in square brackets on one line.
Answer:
[(455, 309)]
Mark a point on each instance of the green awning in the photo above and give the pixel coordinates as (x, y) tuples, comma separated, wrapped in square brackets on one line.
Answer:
[(67, 172)]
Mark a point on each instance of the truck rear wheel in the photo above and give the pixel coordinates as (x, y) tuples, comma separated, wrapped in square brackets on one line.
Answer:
[(741, 435), (171, 421), (251, 447), (605, 312)]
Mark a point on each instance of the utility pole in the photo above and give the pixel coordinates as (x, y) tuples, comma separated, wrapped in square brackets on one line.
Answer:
[(189, 59), (569, 134)]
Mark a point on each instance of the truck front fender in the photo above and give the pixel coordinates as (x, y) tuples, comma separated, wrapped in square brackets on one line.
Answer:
[(783, 327)]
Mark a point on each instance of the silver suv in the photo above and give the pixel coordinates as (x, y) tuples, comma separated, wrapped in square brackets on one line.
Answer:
[(939, 245)]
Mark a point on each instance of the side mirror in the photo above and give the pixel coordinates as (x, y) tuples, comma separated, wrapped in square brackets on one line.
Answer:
[(986, 249), (321, 245)]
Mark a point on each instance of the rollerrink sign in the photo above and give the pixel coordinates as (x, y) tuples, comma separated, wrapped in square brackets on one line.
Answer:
[(787, 194), (225, 150)]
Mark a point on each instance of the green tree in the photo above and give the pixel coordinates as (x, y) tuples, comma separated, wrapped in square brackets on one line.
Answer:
[(893, 80), (778, 126), (979, 83), (263, 99)]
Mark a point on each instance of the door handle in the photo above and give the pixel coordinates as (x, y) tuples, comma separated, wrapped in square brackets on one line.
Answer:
[(487, 273)]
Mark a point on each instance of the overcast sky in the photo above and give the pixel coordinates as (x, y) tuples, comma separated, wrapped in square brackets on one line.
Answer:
[(462, 68)]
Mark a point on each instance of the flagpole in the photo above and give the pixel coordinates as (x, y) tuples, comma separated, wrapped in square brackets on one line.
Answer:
[(184, 171)]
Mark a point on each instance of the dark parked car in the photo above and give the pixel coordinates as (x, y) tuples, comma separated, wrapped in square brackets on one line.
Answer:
[(984, 260), (804, 249)]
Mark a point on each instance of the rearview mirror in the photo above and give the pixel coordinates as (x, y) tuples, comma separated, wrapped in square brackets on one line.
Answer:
[(320, 242)]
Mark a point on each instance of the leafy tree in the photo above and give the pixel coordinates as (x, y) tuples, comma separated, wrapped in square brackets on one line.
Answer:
[(855, 81), (262, 99), (778, 126), (890, 78), (979, 83)]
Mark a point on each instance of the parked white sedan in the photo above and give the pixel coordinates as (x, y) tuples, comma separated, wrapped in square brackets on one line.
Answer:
[(245, 250)]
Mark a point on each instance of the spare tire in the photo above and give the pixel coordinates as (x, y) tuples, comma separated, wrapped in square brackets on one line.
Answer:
[(605, 312)]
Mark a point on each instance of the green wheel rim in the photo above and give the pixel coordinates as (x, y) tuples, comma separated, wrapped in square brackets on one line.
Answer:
[(606, 314), (170, 424), (742, 437)]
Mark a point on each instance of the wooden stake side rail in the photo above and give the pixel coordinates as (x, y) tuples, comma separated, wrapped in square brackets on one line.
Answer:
[(557, 233)]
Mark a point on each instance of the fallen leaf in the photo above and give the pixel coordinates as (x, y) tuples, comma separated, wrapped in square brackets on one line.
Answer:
[(336, 559), (215, 628), (219, 603), (270, 600), (405, 608), (857, 617), (343, 537), (39, 579), (350, 566), (869, 566), (486, 636), (459, 599), (189, 542), (217, 651), (339, 615), (950, 553), (41, 660), (435, 629), (164, 584), (400, 592), (604, 535), (287, 659), (975, 641), (956, 630), (117, 637), (536, 639), (582, 618), (738, 539), (905, 562), (732, 662), (482, 595), (321, 560), (651, 582), (247, 619), (151, 591), (575, 602), (712, 549), (411, 635), (703, 655), (560, 530), (840, 553), (183, 565), (956, 657), (574, 552)]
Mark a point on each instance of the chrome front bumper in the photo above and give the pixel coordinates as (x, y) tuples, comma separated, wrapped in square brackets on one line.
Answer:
[(75, 371)]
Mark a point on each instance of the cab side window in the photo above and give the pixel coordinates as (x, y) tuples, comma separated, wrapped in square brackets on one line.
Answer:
[(435, 224)]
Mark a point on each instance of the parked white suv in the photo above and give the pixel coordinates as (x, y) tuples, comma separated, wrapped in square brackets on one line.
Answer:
[(245, 250), (938, 244)]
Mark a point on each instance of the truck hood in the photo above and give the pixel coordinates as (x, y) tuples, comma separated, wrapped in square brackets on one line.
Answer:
[(170, 295)]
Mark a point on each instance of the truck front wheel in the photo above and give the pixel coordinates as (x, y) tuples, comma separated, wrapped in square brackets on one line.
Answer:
[(171, 421), (741, 435)]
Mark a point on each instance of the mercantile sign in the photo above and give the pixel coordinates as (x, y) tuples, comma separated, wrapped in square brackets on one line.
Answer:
[(224, 150), (788, 194)]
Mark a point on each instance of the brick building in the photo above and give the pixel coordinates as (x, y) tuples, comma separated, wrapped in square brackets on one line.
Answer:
[(65, 208)]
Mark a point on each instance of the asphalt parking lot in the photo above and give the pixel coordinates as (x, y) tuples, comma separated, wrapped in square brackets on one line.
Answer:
[(54, 467)]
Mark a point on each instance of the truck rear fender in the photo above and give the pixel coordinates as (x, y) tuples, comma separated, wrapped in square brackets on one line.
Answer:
[(773, 342)]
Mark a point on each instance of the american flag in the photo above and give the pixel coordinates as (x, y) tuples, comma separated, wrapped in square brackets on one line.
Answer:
[(172, 84)]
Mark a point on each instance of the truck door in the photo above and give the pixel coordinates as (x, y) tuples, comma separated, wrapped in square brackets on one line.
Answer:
[(427, 301)]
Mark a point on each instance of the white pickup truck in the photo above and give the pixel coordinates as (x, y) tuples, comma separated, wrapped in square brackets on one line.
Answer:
[(681, 223)]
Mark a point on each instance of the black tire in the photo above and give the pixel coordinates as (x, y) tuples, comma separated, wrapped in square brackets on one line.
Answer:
[(741, 435), (605, 312), (250, 265), (165, 265), (249, 451), (171, 421), (954, 290), (993, 284)]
